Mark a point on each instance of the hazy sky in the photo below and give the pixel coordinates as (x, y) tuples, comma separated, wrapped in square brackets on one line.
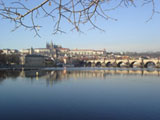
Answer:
[(130, 33)]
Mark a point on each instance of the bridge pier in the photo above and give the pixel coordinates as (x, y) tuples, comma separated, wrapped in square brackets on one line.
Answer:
[(114, 64), (103, 64), (93, 65), (158, 65), (142, 64)]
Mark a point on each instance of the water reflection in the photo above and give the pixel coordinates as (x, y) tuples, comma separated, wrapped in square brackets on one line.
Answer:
[(54, 76), (8, 74), (81, 94)]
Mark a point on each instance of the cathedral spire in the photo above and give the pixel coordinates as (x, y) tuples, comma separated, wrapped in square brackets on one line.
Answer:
[(51, 44)]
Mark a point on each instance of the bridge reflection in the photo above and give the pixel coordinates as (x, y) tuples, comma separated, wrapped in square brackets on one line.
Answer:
[(54, 76)]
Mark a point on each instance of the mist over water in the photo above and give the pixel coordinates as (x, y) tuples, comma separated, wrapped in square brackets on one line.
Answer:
[(80, 94)]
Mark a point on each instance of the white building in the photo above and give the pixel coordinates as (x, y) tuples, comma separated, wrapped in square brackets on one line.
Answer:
[(9, 51), (87, 52), (24, 51), (41, 50)]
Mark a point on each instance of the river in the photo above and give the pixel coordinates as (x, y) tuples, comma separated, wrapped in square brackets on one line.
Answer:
[(80, 94)]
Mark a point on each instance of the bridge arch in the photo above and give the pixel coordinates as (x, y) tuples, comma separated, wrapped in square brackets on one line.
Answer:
[(150, 64), (82, 63), (89, 64), (108, 64), (134, 64), (120, 63), (98, 64)]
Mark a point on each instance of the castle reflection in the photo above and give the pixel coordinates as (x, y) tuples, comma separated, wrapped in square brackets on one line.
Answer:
[(52, 77)]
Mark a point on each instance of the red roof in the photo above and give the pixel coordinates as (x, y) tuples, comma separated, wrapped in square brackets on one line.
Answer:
[(87, 50), (64, 48)]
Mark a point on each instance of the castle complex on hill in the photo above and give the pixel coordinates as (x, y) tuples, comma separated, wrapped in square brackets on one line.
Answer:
[(55, 51)]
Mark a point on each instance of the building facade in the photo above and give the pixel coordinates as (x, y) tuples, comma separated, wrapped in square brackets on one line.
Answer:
[(87, 52), (34, 61), (10, 51)]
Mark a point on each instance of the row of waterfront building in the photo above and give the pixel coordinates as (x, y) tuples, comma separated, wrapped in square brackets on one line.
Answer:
[(56, 50), (52, 54)]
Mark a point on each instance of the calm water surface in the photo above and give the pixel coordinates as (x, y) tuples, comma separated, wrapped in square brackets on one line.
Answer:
[(80, 94)]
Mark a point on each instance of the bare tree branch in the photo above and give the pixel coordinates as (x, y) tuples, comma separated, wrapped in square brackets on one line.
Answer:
[(74, 12)]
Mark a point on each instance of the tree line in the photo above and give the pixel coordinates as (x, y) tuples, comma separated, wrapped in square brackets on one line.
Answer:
[(10, 59)]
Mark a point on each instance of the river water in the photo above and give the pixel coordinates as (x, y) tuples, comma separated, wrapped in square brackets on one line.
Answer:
[(80, 94)]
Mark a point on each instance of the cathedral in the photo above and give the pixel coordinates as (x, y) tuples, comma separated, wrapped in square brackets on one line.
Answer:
[(52, 46), (49, 45), (50, 50)]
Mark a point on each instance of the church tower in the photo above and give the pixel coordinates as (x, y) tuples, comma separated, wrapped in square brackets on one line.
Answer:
[(31, 51), (49, 45)]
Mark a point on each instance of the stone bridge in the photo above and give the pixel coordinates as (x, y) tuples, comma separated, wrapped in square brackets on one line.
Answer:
[(122, 63)]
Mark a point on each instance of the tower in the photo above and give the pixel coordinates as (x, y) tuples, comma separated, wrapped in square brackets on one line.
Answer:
[(49, 45), (31, 51)]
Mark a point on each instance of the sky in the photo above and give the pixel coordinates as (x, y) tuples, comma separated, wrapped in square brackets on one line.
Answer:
[(130, 33)]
